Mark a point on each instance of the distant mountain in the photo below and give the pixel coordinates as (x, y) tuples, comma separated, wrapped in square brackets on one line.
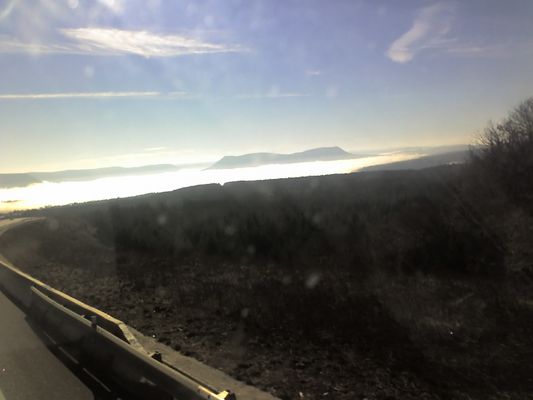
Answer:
[(26, 179), (16, 180), (258, 159), (453, 157), (425, 150), (90, 174), (444, 149)]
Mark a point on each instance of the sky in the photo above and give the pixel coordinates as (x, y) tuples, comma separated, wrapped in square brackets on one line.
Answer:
[(94, 83)]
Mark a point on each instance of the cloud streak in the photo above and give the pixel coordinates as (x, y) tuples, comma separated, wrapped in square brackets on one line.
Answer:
[(275, 95), (143, 43), (113, 42), (428, 30), (11, 45), (6, 11), (89, 95)]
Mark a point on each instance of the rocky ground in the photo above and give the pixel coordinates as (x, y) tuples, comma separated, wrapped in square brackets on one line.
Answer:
[(287, 364), (287, 367)]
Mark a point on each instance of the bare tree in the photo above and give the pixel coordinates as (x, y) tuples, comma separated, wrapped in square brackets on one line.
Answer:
[(506, 153)]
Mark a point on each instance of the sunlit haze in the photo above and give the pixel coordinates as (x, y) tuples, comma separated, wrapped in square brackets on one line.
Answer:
[(49, 194)]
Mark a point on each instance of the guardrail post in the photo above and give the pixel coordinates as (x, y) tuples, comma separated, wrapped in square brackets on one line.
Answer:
[(157, 356)]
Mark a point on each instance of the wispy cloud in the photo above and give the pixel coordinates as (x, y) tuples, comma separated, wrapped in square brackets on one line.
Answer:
[(89, 95), (273, 94), (7, 9), (428, 30), (313, 72), (108, 41), (144, 43), (11, 45), (496, 50)]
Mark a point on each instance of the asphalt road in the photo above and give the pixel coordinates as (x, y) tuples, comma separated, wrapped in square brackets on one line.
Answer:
[(28, 369)]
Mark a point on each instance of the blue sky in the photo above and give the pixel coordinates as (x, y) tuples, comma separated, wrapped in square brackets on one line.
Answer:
[(111, 82)]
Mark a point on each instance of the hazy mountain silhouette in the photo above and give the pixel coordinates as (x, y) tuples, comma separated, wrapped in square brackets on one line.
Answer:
[(16, 180), (26, 179), (453, 157), (258, 159), (426, 150)]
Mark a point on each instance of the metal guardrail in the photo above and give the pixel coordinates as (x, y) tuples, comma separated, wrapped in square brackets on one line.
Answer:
[(101, 350), (18, 284), (102, 343)]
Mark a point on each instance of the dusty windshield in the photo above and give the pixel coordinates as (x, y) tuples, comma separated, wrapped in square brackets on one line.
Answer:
[(266, 199)]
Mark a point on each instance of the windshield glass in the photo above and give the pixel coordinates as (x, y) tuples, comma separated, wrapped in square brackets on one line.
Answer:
[(305, 198)]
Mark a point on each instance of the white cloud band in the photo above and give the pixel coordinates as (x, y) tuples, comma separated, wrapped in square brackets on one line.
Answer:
[(107, 41), (116, 41), (87, 95)]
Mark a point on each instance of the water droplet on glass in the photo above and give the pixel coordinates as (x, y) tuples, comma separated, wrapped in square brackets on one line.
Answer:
[(312, 280), (161, 219)]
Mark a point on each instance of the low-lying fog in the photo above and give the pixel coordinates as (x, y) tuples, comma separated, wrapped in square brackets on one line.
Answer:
[(53, 194)]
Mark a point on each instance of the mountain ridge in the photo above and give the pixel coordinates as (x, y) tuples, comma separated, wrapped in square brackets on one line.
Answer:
[(259, 159), (23, 179), (428, 161)]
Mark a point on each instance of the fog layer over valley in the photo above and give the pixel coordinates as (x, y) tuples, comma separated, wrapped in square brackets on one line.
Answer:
[(75, 188)]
